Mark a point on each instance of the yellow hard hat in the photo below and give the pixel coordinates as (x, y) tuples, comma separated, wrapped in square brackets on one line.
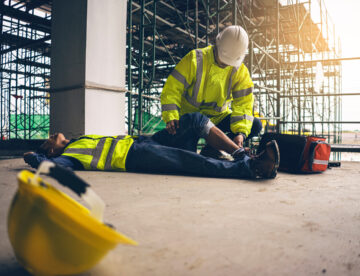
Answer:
[(51, 233)]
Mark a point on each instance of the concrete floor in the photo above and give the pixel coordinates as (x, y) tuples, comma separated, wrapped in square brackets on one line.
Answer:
[(293, 225)]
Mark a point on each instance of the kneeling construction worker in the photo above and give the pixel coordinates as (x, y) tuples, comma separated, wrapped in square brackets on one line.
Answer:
[(161, 153), (209, 80)]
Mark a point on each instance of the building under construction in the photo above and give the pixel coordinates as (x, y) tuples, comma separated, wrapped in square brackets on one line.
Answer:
[(296, 91), (89, 66), (292, 60), (25, 70)]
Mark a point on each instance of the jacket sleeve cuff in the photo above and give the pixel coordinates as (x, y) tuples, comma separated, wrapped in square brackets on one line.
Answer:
[(237, 131), (170, 115)]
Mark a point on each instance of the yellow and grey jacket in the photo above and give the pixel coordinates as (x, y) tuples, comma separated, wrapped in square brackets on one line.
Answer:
[(198, 84), (97, 152)]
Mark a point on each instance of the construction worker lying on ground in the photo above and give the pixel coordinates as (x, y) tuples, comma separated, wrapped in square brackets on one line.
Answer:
[(161, 153), (210, 79)]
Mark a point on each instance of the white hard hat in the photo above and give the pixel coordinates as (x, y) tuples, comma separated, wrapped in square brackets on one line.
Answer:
[(232, 43)]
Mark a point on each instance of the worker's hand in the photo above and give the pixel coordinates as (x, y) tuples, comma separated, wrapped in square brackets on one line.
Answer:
[(171, 126), (239, 140)]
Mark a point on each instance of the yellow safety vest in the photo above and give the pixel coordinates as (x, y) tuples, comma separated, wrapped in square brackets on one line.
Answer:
[(198, 84), (96, 152)]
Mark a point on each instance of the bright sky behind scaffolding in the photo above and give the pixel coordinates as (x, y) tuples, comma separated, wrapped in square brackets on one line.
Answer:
[(346, 17)]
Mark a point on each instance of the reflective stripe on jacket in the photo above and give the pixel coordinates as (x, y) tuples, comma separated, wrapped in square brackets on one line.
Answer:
[(198, 84), (97, 152)]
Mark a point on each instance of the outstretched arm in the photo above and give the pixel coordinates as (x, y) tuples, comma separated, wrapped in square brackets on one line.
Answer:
[(34, 160)]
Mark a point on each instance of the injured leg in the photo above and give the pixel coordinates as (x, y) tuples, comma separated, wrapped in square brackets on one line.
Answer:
[(151, 157), (155, 158)]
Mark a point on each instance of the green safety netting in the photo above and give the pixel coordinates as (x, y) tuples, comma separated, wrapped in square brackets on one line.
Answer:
[(36, 125), (151, 123)]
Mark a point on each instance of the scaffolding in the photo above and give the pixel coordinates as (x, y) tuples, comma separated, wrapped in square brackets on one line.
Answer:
[(24, 69), (294, 59)]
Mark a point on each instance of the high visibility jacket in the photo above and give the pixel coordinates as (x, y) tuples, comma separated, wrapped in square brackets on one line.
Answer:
[(198, 84), (97, 152)]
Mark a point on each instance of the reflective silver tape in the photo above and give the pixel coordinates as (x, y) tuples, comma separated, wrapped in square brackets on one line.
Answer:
[(233, 71), (235, 119), (168, 107), (177, 75), (191, 100), (224, 107), (110, 153), (248, 117), (212, 105), (242, 93), (320, 162), (85, 151), (199, 72), (221, 108), (97, 153), (209, 104)]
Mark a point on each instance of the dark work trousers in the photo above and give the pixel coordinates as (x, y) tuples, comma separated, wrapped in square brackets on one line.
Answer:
[(224, 125), (176, 154)]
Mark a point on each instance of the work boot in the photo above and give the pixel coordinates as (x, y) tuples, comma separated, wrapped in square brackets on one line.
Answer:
[(265, 164), (208, 151)]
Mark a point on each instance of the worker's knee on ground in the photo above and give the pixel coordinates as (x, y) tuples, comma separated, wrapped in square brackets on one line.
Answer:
[(195, 121)]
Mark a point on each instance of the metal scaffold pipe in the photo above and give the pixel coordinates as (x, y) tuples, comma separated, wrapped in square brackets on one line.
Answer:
[(141, 66), (278, 69), (196, 23), (129, 66), (234, 12)]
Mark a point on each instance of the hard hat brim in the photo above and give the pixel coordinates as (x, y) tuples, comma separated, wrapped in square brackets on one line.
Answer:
[(53, 234)]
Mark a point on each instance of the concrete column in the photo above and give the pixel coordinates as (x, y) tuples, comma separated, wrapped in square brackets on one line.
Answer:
[(88, 67)]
